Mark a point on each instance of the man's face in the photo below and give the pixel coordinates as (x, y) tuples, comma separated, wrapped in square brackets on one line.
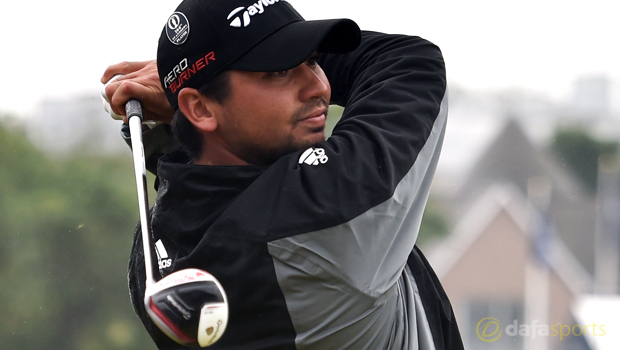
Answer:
[(270, 114)]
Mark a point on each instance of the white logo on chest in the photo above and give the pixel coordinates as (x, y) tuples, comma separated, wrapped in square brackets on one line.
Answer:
[(313, 156)]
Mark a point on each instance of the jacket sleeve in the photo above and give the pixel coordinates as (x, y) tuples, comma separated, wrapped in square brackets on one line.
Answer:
[(352, 205), (157, 142), (136, 277)]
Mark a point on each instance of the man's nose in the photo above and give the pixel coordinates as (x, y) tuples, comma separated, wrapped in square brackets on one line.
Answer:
[(315, 83)]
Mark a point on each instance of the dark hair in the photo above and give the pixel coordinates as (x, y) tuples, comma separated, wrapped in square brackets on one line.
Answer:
[(183, 130)]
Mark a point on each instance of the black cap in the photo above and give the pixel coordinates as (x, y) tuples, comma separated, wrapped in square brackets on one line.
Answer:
[(205, 37)]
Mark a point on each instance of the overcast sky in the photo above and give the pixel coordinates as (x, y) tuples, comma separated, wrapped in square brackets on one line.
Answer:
[(56, 49)]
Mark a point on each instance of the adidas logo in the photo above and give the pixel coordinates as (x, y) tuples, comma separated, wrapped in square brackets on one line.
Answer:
[(162, 255), (254, 9), (313, 156)]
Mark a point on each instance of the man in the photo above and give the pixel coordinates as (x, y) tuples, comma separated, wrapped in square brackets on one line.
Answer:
[(313, 240)]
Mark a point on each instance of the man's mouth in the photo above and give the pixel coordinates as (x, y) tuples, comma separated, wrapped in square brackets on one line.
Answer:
[(315, 119)]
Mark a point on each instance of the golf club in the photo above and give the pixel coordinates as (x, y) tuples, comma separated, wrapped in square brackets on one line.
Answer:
[(190, 305)]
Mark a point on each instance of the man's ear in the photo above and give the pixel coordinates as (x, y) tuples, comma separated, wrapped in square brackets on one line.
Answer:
[(198, 109)]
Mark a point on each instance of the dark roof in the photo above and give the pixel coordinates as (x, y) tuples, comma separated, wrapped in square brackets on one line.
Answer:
[(513, 159)]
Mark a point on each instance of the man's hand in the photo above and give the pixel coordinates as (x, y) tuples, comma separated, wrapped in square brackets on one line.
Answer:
[(137, 80)]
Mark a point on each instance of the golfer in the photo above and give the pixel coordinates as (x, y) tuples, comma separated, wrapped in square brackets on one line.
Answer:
[(313, 240)]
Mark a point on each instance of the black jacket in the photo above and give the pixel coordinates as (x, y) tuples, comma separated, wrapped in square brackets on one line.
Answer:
[(317, 251)]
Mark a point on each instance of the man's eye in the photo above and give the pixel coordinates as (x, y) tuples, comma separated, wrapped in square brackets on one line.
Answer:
[(311, 61), (279, 74)]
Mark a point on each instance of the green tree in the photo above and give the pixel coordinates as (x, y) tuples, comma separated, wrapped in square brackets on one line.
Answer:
[(578, 151), (67, 228), (434, 223)]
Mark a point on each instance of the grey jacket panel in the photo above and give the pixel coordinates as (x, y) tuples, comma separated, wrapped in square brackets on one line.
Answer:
[(361, 265)]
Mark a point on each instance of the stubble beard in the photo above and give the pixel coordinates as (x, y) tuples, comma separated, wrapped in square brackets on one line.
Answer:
[(261, 156)]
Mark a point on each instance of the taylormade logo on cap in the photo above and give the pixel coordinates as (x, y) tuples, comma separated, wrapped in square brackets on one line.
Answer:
[(219, 41), (254, 9)]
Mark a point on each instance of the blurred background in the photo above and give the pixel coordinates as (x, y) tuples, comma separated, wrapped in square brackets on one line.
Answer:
[(522, 225)]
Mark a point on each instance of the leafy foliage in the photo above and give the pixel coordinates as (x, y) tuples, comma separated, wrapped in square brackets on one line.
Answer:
[(580, 153), (66, 228), (434, 223)]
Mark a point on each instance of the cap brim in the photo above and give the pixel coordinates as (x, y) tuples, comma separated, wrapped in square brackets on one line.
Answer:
[(295, 43)]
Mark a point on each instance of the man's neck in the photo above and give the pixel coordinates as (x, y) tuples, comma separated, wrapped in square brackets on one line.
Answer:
[(219, 160), (216, 154)]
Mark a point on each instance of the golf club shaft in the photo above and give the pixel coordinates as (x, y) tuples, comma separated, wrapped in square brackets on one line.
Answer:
[(133, 109)]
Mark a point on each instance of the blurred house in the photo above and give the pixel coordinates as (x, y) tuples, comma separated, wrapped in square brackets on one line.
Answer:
[(513, 160), (490, 268), (523, 252)]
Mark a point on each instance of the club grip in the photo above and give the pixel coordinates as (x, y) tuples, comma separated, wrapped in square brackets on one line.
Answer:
[(133, 108)]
